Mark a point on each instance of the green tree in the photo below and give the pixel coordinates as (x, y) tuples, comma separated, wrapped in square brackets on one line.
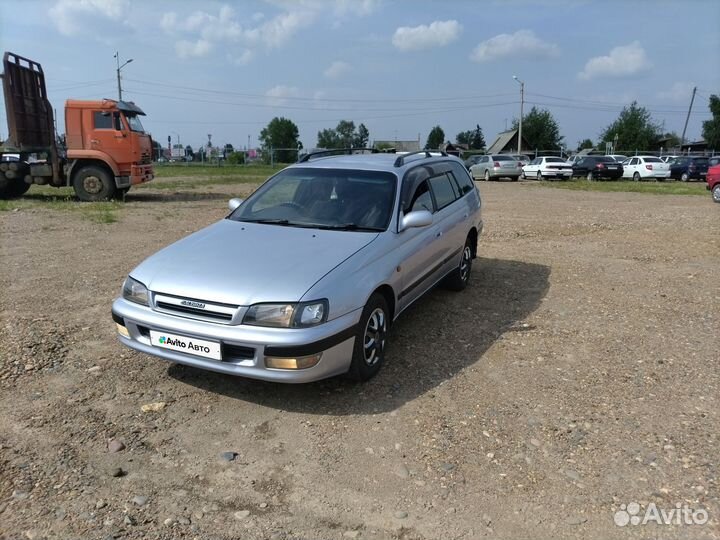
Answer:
[(633, 130), (435, 138), (585, 144), (235, 158), (540, 129), (673, 140), (345, 135), (711, 128), (283, 134), (474, 138)]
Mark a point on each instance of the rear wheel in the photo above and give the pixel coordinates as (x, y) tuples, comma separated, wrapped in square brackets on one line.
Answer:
[(636, 177), (458, 279), (684, 177), (590, 176), (716, 193), (369, 349), (93, 183)]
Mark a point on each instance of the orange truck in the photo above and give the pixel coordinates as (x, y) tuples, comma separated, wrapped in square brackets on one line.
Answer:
[(104, 152)]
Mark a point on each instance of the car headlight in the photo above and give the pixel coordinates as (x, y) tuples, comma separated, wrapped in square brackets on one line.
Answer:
[(135, 291), (287, 315)]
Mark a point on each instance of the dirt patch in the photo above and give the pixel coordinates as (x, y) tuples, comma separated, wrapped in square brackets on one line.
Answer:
[(577, 373)]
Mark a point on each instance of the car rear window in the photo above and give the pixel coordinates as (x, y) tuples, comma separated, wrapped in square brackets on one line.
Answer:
[(652, 160), (605, 159), (554, 160), (503, 158)]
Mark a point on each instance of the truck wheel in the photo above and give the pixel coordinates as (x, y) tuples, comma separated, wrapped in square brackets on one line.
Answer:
[(16, 187), (93, 183)]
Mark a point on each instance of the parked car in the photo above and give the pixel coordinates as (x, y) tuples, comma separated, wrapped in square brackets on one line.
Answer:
[(713, 182), (547, 167), (618, 157), (641, 167), (668, 159), (689, 168), (712, 161), (522, 159), (598, 167), (472, 160), (496, 166), (355, 240)]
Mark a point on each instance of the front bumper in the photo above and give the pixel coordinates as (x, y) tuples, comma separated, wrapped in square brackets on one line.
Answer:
[(141, 173), (244, 347)]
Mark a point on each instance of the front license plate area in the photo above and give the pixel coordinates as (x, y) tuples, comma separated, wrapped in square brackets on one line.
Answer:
[(188, 345)]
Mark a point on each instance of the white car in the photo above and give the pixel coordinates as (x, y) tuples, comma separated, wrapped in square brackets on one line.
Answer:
[(547, 167), (641, 167)]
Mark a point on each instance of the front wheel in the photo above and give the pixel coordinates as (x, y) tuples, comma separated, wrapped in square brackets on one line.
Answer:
[(93, 183), (685, 177), (487, 175), (369, 350), (716, 193), (590, 176), (539, 176)]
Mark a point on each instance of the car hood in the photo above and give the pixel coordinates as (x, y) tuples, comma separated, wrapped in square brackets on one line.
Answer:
[(242, 263)]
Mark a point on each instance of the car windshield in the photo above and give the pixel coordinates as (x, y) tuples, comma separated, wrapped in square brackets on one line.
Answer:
[(134, 122), (323, 199)]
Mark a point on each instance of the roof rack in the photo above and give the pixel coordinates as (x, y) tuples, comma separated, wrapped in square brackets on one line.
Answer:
[(335, 151), (400, 161)]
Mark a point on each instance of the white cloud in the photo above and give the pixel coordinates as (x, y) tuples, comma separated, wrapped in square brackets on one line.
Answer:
[(277, 94), (678, 92), (437, 34), (243, 59), (192, 49), (623, 61), (523, 44), (337, 69), (73, 16)]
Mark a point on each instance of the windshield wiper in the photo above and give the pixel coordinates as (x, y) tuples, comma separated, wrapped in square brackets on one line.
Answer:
[(349, 227), (270, 221)]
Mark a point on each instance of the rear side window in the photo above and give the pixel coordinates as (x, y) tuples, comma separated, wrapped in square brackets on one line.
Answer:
[(443, 190), (462, 178), (102, 120)]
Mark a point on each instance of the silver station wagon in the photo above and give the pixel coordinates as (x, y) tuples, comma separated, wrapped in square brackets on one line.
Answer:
[(302, 280)]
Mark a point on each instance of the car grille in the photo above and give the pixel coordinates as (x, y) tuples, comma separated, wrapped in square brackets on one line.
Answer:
[(236, 352), (195, 309)]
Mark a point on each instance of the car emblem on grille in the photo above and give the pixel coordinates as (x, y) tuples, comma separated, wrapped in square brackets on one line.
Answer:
[(189, 303)]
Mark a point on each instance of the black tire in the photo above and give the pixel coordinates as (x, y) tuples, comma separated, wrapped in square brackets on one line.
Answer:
[(16, 187), (93, 183), (522, 175), (590, 177), (458, 279), (369, 350), (539, 176), (636, 177), (716, 193), (684, 177), (514, 178), (487, 175)]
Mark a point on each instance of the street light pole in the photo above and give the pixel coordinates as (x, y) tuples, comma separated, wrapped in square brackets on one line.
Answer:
[(119, 67), (522, 102)]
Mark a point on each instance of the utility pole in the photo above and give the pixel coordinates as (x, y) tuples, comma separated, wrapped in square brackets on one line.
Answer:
[(119, 67), (692, 99), (522, 102)]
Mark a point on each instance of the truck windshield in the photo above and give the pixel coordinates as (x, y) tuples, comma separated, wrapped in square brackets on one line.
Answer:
[(134, 122)]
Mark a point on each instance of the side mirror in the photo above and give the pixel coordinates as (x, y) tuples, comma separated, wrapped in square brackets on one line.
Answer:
[(419, 218), (234, 203)]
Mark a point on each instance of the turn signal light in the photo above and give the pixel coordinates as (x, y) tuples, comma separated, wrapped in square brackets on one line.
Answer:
[(302, 362)]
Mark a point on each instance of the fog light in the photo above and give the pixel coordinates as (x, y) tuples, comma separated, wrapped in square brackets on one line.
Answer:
[(122, 330), (303, 362)]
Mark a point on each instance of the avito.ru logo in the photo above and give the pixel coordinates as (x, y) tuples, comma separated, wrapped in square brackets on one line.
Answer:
[(632, 514), (162, 340)]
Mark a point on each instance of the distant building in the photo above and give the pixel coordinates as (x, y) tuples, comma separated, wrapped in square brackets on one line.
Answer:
[(507, 143), (695, 146)]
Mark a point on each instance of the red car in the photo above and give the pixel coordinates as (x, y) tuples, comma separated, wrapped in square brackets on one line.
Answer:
[(713, 182)]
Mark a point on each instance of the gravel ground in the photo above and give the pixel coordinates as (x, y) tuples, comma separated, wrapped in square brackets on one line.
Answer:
[(576, 374)]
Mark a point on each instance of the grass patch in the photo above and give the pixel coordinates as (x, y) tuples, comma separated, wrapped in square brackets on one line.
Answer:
[(654, 188), (63, 200), (214, 171)]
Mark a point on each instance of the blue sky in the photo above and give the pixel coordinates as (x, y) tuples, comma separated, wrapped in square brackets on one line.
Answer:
[(399, 67)]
